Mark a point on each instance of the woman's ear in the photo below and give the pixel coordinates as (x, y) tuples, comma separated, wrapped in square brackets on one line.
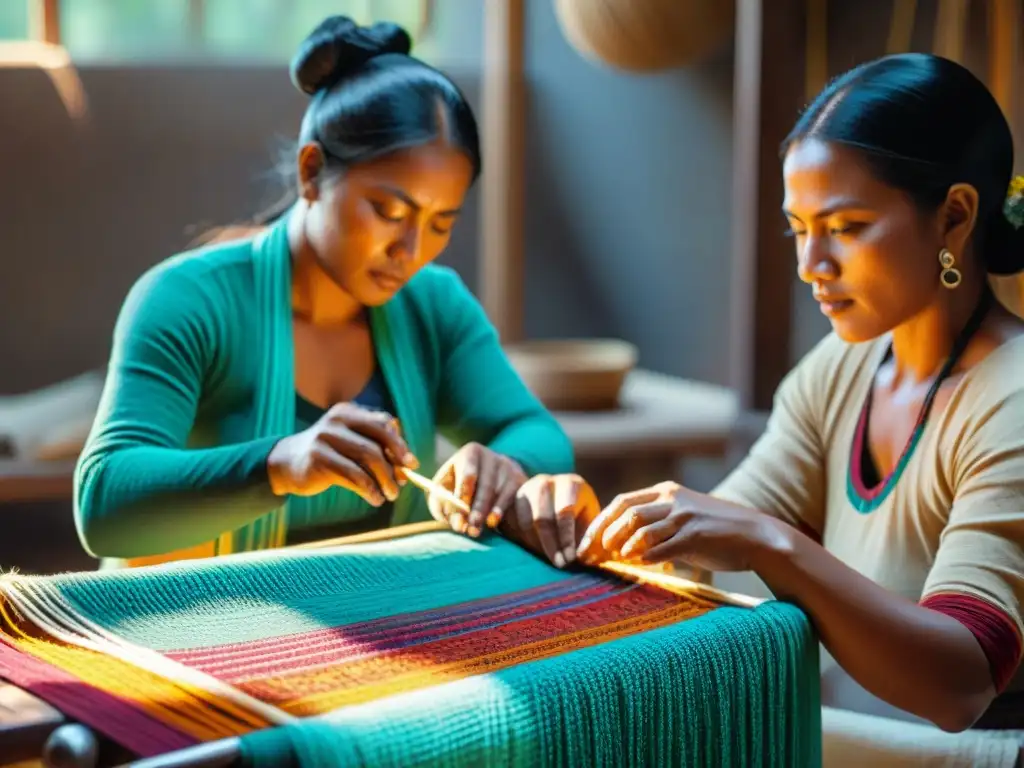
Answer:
[(959, 216), (311, 166)]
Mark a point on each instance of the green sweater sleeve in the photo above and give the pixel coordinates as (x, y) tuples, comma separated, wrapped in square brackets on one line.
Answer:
[(139, 490), (481, 397)]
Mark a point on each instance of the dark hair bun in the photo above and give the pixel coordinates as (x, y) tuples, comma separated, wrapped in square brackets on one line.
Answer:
[(1004, 247), (339, 46)]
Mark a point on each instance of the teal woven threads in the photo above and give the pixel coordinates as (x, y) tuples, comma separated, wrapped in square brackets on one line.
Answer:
[(734, 687), (214, 602), (270, 747)]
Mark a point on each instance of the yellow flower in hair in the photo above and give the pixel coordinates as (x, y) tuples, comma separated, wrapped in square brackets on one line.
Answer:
[(1016, 186), (1013, 208)]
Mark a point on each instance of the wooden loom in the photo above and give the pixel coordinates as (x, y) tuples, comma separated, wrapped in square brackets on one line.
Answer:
[(71, 745), (75, 746)]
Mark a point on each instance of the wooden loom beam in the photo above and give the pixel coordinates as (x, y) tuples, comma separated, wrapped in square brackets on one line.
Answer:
[(502, 135), (767, 96)]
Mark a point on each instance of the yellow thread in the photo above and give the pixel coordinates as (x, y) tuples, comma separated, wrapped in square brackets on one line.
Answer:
[(92, 636), (88, 671), (164, 699), (161, 701), (92, 670)]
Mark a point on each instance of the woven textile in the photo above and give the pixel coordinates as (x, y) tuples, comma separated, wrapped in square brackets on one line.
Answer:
[(428, 650)]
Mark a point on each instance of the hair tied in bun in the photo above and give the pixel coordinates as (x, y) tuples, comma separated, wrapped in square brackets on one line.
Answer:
[(339, 46)]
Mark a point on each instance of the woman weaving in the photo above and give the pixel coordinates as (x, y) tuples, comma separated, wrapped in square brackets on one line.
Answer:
[(886, 497), (254, 385)]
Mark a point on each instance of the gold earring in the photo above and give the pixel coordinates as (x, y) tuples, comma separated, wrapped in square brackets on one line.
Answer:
[(950, 276)]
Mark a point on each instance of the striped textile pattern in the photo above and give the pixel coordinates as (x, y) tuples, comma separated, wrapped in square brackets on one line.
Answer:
[(351, 655)]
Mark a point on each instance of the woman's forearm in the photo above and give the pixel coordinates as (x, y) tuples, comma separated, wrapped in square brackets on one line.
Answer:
[(138, 501), (914, 658)]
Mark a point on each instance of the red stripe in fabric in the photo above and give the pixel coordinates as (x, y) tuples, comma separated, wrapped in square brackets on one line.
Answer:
[(340, 647), (509, 639), (377, 627)]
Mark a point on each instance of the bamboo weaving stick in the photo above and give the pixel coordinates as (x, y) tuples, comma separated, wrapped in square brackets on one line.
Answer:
[(431, 488), (669, 582)]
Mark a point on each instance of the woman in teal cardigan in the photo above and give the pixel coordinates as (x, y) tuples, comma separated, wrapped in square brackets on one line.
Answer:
[(256, 387)]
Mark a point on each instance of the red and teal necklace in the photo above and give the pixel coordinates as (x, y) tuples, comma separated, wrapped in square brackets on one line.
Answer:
[(865, 489)]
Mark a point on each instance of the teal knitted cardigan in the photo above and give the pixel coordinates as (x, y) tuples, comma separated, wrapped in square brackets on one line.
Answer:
[(200, 387)]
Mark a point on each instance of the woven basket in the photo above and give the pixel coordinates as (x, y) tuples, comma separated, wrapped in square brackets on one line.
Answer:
[(574, 374)]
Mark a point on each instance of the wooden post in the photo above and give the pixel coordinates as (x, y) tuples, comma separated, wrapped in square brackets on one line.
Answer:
[(196, 24), (767, 95), (901, 26), (1004, 20), (951, 29), (503, 129), (44, 20), (816, 57)]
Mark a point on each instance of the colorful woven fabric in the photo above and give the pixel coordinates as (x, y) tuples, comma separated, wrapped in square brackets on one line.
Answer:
[(433, 649)]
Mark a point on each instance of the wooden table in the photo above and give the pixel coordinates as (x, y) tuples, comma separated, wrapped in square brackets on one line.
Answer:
[(658, 413), (662, 421), (35, 480)]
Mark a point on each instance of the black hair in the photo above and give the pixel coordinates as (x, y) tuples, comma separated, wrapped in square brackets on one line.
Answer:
[(923, 124), (371, 98)]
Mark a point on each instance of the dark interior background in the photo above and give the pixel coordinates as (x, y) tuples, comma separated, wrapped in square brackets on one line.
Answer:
[(628, 210)]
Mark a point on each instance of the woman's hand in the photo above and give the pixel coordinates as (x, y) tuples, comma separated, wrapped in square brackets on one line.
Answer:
[(350, 446), (552, 512), (668, 522), (483, 480)]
